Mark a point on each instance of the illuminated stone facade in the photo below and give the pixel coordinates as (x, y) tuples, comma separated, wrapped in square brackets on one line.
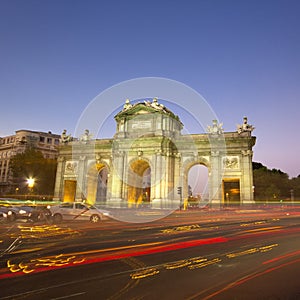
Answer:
[(46, 142), (148, 161)]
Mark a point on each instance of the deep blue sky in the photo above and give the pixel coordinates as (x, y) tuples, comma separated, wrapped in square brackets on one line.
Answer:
[(243, 57)]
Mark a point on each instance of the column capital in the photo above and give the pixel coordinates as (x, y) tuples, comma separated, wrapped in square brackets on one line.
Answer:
[(215, 153), (247, 152), (61, 159)]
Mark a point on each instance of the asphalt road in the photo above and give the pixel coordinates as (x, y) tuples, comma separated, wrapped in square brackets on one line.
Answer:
[(229, 254)]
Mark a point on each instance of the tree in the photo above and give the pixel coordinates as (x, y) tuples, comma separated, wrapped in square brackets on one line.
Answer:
[(295, 187), (270, 185), (32, 164)]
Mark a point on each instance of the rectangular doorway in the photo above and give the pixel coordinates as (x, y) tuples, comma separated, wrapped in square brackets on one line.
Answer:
[(69, 191), (231, 191)]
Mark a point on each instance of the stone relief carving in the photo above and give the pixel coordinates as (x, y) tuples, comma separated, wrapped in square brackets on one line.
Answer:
[(204, 159), (71, 167), (231, 162)]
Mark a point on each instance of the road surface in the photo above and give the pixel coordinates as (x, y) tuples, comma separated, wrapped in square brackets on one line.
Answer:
[(227, 254)]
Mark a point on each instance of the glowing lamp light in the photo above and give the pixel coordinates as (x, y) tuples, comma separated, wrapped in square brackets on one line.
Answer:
[(30, 182)]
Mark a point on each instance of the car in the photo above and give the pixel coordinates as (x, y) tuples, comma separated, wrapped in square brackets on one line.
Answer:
[(76, 211), (34, 213), (25, 212), (3, 214), (10, 212)]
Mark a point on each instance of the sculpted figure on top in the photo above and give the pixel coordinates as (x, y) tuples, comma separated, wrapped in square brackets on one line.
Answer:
[(245, 127), (156, 105), (216, 128), (127, 105), (65, 138), (86, 137)]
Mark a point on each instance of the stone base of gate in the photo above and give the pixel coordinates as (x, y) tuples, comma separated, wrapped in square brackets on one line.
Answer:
[(116, 203), (163, 203)]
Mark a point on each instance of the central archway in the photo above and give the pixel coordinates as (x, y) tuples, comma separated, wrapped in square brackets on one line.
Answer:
[(139, 183)]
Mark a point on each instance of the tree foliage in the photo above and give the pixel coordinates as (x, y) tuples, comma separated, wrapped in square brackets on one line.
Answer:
[(32, 163), (270, 185)]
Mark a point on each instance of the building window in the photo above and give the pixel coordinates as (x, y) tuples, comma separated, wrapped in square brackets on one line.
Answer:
[(49, 141), (42, 139), (56, 141)]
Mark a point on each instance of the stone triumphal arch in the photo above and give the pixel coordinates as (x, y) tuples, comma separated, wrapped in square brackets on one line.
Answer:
[(148, 160)]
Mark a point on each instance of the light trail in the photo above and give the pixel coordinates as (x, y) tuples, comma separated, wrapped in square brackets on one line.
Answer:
[(282, 257), (80, 258), (247, 278), (55, 262)]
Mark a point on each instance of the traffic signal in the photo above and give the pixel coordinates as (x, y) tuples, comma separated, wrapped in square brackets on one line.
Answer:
[(179, 190)]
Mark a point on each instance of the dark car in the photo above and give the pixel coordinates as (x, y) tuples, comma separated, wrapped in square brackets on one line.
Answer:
[(26, 213), (10, 212), (3, 214), (33, 213)]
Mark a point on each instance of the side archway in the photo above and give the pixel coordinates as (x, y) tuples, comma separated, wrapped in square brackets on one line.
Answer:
[(96, 183), (196, 182), (198, 185)]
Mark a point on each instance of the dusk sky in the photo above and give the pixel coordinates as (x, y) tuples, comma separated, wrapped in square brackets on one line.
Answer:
[(243, 57)]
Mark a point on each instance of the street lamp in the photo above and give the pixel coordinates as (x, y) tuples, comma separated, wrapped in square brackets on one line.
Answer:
[(30, 183)]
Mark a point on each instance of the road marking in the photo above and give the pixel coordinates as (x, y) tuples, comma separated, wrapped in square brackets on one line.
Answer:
[(204, 264), (181, 228), (144, 273), (237, 254), (177, 265), (263, 229)]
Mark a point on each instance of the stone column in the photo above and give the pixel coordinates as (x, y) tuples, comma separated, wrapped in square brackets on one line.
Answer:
[(156, 188), (178, 178), (117, 176), (215, 182), (167, 181), (81, 178), (59, 180), (166, 176), (247, 184)]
